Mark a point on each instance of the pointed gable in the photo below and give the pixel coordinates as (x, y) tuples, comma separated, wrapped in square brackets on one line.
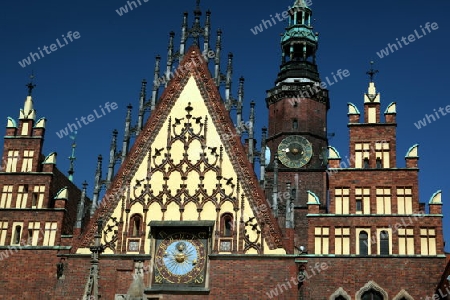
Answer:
[(185, 167)]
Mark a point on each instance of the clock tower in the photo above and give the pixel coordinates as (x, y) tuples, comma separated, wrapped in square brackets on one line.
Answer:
[(297, 134)]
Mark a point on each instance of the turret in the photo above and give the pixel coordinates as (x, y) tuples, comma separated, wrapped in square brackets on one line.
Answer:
[(299, 44)]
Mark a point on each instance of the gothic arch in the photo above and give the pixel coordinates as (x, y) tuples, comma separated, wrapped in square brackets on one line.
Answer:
[(403, 294), (371, 285), (340, 292)]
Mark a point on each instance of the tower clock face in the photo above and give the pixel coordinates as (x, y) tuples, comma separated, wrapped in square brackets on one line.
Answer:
[(180, 259), (294, 151)]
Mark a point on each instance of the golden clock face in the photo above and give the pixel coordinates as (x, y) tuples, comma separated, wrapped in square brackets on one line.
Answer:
[(294, 151), (180, 258)]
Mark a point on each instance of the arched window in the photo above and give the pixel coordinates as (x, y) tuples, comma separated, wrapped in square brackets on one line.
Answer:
[(372, 295), (384, 243), (340, 294), (135, 228), (363, 243), (378, 163), (372, 291), (366, 163), (226, 225), (17, 232), (294, 124)]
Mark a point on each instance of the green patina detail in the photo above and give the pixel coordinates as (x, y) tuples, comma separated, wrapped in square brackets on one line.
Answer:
[(299, 32)]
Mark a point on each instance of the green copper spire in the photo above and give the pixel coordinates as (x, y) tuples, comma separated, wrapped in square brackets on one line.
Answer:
[(301, 3), (299, 44)]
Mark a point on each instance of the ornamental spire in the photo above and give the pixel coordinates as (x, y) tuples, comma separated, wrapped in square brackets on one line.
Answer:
[(371, 72), (28, 112), (30, 85), (72, 157), (372, 95)]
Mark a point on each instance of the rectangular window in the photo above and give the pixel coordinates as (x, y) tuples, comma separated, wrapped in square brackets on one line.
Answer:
[(342, 200), (24, 129), (49, 234), (404, 200), (27, 163), (5, 200), (38, 196), (322, 240), (3, 232), (33, 233), (406, 241), (362, 151), (22, 196), (358, 205), (382, 153), (427, 241), (372, 115), (342, 240), (383, 200), (362, 197), (11, 163)]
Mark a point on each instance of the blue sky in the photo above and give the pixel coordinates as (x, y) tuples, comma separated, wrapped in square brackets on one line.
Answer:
[(114, 53)]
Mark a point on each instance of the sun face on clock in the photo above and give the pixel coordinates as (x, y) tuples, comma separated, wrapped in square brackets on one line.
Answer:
[(180, 258), (294, 151)]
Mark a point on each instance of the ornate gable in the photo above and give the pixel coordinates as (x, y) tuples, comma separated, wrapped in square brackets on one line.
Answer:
[(184, 167)]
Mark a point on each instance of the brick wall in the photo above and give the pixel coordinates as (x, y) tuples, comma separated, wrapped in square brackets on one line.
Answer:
[(416, 275), (234, 278)]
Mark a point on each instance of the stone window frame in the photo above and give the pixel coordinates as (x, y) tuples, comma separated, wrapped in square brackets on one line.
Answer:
[(369, 286), (132, 224), (340, 292), (403, 294), (227, 219)]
